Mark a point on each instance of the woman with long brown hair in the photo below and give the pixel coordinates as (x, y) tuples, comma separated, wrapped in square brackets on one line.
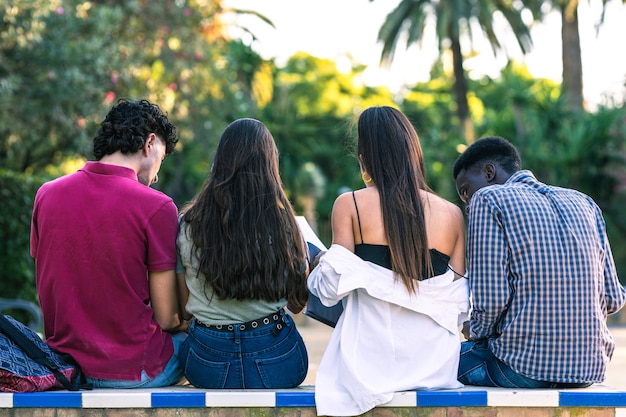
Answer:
[(395, 263), (244, 261)]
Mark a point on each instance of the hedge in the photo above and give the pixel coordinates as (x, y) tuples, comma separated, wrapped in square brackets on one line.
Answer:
[(17, 268)]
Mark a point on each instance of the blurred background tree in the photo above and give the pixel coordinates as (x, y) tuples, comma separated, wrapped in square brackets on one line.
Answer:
[(455, 21), (64, 63), (571, 53)]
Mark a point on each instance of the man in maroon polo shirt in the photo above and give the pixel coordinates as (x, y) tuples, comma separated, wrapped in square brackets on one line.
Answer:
[(104, 243)]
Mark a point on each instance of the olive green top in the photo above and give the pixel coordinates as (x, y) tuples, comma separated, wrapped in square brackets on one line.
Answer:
[(202, 303)]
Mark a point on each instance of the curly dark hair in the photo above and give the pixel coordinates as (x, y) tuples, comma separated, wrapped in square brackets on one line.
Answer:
[(489, 149), (128, 124)]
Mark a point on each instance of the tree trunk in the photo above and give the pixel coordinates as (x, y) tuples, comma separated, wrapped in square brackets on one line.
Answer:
[(460, 91), (572, 88)]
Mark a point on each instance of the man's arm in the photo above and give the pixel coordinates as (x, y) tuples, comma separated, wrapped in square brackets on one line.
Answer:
[(164, 300), (488, 268), (165, 292), (614, 292), (183, 295)]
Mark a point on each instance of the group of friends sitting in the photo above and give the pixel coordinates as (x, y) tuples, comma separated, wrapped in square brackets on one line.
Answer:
[(142, 294)]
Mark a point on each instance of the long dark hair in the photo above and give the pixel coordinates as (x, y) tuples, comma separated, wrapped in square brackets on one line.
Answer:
[(242, 225), (391, 153)]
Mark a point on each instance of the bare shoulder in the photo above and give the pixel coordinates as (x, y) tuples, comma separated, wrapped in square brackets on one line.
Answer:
[(343, 202), (341, 221), (445, 214), (446, 229), (343, 209), (441, 206)]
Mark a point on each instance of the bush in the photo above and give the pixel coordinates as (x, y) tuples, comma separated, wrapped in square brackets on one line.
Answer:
[(17, 268)]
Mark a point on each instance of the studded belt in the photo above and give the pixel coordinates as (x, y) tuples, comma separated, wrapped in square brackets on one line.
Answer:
[(275, 319)]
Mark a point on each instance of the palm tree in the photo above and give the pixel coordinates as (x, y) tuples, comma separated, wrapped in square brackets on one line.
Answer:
[(572, 89), (454, 19)]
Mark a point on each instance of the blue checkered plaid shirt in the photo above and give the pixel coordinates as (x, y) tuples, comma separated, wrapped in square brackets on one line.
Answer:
[(543, 279)]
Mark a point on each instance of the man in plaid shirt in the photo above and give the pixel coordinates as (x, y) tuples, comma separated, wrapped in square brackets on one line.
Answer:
[(542, 276)]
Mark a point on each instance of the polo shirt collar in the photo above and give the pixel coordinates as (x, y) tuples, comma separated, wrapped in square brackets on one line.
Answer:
[(95, 167)]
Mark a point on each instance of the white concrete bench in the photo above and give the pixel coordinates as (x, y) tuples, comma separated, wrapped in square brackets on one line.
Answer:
[(597, 401)]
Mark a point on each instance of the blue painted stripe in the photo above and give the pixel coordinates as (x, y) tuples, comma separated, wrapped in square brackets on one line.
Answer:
[(48, 399), (306, 398), (592, 399), (452, 398), (295, 399), (178, 399)]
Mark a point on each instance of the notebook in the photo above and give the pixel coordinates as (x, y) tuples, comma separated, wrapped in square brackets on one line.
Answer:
[(314, 308)]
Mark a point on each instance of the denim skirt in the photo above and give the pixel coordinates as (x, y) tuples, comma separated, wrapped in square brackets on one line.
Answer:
[(266, 357)]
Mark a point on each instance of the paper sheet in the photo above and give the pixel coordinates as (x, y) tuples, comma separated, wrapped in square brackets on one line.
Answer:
[(308, 234)]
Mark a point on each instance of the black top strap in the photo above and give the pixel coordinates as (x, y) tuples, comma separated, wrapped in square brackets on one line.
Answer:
[(358, 219)]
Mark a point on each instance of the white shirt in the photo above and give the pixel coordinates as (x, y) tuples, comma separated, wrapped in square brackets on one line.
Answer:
[(387, 340)]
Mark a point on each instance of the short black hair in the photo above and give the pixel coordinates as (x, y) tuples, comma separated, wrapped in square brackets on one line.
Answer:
[(489, 149), (127, 126)]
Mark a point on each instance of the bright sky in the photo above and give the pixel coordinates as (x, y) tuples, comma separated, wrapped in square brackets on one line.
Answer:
[(336, 29)]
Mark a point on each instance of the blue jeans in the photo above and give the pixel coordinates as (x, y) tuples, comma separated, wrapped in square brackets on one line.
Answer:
[(478, 366), (172, 373), (257, 358)]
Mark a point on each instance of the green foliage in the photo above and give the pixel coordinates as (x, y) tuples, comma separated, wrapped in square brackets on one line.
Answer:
[(17, 268), (179, 58), (561, 147), (309, 117), (54, 68), (64, 63), (430, 107), (455, 23)]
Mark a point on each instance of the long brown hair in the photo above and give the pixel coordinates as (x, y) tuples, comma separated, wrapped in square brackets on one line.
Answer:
[(391, 153), (242, 225)]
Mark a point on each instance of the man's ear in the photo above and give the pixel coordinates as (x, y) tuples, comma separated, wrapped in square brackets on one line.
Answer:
[(490, 172), (148, 144)]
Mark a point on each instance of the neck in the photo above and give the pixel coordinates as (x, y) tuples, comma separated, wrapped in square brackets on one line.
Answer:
[(119, 159)]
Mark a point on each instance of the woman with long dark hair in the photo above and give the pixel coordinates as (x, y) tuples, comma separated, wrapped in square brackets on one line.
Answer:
[(244, 260), (395, 263)]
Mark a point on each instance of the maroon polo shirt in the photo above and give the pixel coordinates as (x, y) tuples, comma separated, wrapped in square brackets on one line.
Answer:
[(95, 235)]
